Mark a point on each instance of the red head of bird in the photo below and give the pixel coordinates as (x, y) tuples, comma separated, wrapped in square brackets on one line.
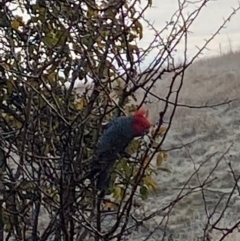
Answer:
[(141, 124)]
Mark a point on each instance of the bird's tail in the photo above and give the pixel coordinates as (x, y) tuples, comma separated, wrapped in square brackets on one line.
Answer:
[(100, 174)]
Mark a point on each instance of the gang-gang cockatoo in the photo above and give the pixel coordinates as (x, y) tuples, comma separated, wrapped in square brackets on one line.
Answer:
[(117, 135)]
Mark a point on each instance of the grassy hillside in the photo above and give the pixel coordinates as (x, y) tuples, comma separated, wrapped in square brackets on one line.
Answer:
[(207, 81)]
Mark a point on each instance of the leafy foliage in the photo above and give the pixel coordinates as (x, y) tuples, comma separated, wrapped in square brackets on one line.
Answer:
[(50, 129)]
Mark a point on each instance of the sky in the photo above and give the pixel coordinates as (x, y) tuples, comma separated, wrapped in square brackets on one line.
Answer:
[(206, 24)]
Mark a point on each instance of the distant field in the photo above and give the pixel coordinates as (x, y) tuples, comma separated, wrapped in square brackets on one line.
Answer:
[(207, 81)]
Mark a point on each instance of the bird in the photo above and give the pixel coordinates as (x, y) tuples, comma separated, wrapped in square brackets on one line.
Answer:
[(117, 135)]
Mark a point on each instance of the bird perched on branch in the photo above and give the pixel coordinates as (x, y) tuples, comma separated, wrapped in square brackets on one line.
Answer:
[(111, 145)]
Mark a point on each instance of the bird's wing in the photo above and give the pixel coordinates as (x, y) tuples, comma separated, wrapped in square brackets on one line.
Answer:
[(107, 125)]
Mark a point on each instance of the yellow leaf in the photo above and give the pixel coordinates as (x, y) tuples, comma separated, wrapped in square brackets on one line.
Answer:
[(164, 169), (50, 39), (80, 104), (56, 198), (162, 130), (18, 124), (130, 108), (146, 162), (150, 182), (165, 155), (159, 159), (15, 24), (52, 77), (162, 156), (92, 13), (113, 95)]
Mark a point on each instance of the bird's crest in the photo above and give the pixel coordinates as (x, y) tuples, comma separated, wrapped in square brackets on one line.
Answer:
[(141, 112), (141, 122)]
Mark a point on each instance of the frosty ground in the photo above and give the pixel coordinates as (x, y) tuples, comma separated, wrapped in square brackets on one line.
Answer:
[(212, 132)]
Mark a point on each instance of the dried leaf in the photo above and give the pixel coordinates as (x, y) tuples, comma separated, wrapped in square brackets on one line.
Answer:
[(110, 205), (149, 3), (133, 48), (131, 37), (15, 24), (162, 156), (162, 130), (139, 29)]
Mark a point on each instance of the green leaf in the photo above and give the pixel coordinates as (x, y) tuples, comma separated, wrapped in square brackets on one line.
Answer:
[(26, 185), (134, 146), (9, 87), (42, 13), (117, 192), (81, 103), (50, 39), (8, 227), (144, 191), (52, 77)]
